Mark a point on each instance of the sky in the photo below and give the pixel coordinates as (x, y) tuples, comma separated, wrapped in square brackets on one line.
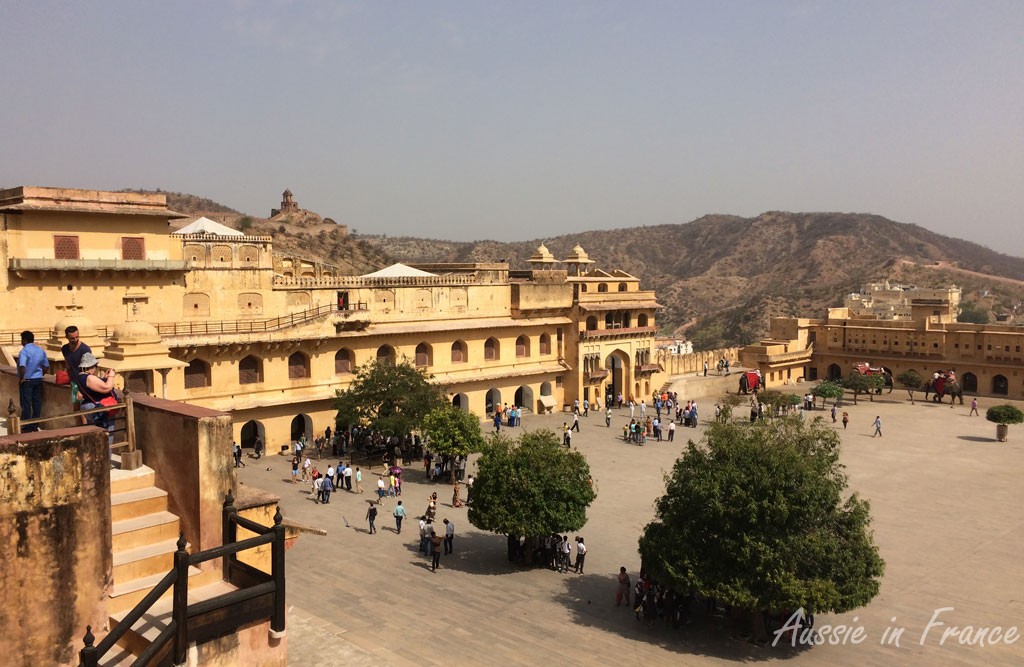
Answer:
[(524, 120)]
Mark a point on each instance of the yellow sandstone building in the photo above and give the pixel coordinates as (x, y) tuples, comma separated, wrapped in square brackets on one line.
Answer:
[(213, 317), (988, 358)]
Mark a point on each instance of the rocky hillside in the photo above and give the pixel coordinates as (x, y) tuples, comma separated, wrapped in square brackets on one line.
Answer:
[(720, 278)]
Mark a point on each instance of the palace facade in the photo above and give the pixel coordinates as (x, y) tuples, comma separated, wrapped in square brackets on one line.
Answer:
[(215, 318), (988, 358)]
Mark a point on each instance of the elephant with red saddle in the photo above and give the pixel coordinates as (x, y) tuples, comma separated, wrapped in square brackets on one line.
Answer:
[(943, 386)]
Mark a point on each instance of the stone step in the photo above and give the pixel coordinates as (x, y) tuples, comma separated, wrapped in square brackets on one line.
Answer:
[(144, 560), (129, 480), (124, 596), (137, 502), (143, 530), (154, 621)]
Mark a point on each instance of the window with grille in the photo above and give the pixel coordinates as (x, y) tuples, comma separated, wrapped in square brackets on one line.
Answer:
[(422, 354), (65, 247), (298, 366), (342, 362), (133, 248), (197, 374), (249, 371)]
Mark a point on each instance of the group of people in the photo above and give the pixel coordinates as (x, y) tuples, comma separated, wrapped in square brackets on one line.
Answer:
[(90, 389), (507, 416), (651, 601)]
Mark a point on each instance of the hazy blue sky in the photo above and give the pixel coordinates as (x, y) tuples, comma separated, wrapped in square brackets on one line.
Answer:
[(517, 120)]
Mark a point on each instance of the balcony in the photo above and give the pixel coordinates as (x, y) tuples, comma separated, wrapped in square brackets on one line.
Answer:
[(596, 334), (24, 265)]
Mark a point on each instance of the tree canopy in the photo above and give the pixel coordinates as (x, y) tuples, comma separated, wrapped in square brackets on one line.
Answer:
[(391, 397), (530, 486), (827, 389), (453, 432), (754, 516), (859, 383), (911, 381), (1004, 414)]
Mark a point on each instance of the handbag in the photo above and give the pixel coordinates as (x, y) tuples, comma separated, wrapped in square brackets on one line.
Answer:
[(62, 378), (109, 401)]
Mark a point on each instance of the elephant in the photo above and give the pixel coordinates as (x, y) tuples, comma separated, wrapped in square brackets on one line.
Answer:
[(941, 387), (749, 382)]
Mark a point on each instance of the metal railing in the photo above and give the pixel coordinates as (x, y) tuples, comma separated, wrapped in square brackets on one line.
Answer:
[(253, 326), (259, 596)]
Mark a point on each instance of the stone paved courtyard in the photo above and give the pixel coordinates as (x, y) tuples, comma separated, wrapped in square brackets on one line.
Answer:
[(946, 500)]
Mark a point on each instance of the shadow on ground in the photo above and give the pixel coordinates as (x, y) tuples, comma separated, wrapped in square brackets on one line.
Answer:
[(591, 600)]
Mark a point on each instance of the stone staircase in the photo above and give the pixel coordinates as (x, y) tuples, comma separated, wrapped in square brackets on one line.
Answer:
[(145, 536)]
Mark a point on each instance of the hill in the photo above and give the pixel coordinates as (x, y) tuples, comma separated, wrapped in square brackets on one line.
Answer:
[(720, 278)]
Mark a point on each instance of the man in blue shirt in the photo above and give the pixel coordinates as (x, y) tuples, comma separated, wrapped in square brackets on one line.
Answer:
[(32, 362)]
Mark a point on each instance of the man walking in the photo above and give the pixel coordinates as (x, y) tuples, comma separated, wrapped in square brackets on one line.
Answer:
[(371, 516), (399, 515), (449, 536), (575, 422), (878, 426), (435, 544), (974, 408), (32, 362)]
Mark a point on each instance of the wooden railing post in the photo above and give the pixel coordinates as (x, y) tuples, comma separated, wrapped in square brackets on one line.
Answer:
[(87, 657), (13, 427), (229, 532), (179, 612), (277, 621), (129, 424)]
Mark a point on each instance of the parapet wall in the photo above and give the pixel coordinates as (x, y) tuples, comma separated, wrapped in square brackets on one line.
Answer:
[(55, 542)]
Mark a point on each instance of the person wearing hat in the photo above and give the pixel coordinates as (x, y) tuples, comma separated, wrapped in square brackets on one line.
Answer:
[(94, 388)]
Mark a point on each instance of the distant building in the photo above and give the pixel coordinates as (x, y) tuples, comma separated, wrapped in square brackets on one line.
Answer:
[(288, 205), (987, 357), (885, 301)]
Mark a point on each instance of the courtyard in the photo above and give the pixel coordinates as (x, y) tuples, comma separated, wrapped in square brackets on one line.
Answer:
[(945, 501)]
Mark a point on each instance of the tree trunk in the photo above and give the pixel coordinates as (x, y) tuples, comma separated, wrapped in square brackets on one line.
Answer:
[(1001, 432)]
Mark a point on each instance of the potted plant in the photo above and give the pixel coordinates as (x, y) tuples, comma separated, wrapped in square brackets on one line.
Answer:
[(1003, 416)]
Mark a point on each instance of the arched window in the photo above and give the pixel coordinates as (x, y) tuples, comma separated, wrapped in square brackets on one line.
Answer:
[(343, 361), (523, 346), (602, 287), (641, 320), (197, 374), (545, 341), (386, 354), (459, 352), (492, 350), (250, 370), (424, 355), (583, 287), (298, 366), (592, 323), (622, 287), (609, 321)]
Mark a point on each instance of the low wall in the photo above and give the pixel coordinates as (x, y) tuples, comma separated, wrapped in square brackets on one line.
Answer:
[(189, 448), (55, 542), (681, 364), (56, 398)]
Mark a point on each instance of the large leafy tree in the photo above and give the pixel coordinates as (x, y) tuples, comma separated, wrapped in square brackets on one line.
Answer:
[(453, 432), (392, 397), (531, 486), (755, 516)]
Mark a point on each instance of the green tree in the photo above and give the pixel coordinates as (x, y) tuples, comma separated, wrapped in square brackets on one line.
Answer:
[(392, 397), (453, 432), (775, 399), (1003, 416), (729, 404), (860, 383), (531, 486), (827, 389), (973, 312), (911, 381), (755, 516)]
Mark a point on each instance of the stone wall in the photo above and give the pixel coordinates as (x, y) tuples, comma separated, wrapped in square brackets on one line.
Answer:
[(55, 542), (680, 364), (190, 449)]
